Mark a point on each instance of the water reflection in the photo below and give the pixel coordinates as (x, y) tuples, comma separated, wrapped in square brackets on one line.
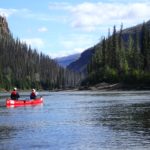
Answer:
[(133, 118), (79, 120), (6, 132)]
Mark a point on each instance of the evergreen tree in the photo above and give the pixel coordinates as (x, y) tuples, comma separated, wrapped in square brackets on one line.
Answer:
[(119, 60), (144, 45), (114, 49), (22, 66)]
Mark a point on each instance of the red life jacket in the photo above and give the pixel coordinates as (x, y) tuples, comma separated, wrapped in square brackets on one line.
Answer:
[(14, 93), (33, 94)]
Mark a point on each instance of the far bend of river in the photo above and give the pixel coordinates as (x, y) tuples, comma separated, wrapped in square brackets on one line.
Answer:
[(80, 120)]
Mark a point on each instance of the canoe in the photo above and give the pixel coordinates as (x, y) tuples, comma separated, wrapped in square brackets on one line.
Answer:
[(10, 102)]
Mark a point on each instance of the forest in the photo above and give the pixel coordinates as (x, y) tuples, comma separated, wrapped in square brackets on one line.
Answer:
[(121, 58), (25, 68)]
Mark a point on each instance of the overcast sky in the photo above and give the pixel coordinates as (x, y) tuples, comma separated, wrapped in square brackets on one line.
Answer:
[(63, 27)]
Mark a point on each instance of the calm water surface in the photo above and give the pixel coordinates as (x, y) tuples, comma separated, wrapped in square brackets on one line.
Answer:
[(78, 121)]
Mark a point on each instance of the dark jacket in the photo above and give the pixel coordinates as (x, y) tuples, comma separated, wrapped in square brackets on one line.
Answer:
[(33, 95), (14, 95)]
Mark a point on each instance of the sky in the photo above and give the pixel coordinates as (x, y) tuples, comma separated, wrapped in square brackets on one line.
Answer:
[(64, 27)]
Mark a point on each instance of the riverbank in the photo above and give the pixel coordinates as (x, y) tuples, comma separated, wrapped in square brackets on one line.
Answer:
[(116, 86), (101, 86), (107, 87)]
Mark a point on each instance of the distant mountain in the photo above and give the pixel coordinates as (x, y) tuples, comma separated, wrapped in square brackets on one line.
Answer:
[(65, 61), (80, 65)]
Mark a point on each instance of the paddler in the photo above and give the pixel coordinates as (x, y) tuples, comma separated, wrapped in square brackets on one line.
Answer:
[(14, 94), (33, 94)]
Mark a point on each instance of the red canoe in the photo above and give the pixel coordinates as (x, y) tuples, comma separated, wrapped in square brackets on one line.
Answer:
[(10, 102)]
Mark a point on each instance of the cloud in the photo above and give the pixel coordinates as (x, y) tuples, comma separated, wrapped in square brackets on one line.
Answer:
[(34, 42), (42, 29), (28, 14), (71, 44), (89, 16), (7, 12), (63, 53), (60, 6), (77, 44)]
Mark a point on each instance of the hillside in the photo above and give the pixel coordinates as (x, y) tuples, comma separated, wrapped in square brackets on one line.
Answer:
[(80, 65), (25, 68), (4, 30), (123, 57)]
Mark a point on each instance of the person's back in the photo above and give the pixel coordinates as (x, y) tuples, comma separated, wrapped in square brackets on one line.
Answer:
[(14, 94), (33, 94)]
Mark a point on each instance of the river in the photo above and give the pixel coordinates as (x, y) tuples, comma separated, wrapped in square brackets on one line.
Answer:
[(79, 120)]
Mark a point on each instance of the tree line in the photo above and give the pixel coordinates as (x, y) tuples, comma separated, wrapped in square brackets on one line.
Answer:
[(25, 68), (121, 57)]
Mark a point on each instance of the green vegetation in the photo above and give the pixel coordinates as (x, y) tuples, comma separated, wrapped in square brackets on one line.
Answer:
[(24, 68), (121, 58)]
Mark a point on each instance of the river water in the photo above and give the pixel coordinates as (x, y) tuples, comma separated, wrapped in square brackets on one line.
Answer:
[(80, 120)]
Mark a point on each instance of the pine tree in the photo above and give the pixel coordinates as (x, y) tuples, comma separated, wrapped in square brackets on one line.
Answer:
[(114, 49), (144, 45)]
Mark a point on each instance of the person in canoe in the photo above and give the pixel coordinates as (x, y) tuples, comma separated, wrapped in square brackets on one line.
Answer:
[(14, 94), (33, 94)]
